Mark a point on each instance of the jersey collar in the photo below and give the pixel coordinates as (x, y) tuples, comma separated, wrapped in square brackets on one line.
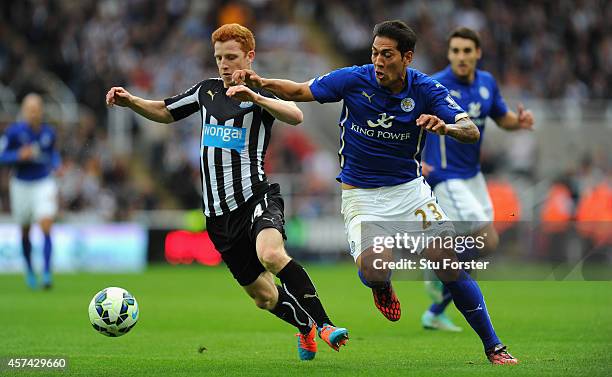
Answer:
[(401, 94), (448, 71)]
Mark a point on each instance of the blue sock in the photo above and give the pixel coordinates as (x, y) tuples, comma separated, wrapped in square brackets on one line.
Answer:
[(26, 248), (439, 308), (47, 253), (373, 284), (363, 279), (468, 299), (447, 298), (469, 254)]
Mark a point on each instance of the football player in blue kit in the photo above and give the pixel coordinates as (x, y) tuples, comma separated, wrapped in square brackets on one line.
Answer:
[(453, 168), (388, 109), (29, 147)]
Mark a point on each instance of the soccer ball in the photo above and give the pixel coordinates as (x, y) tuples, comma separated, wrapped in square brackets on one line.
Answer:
[(113, 311)]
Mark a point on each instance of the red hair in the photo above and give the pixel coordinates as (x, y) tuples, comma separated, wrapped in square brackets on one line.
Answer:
[(236, 32)]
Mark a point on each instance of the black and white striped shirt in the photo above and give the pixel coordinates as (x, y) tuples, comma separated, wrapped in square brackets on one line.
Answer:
[(234, 139)]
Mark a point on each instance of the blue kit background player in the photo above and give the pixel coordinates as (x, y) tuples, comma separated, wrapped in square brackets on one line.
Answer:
[(453, 168), (29, 147), (387, 109)]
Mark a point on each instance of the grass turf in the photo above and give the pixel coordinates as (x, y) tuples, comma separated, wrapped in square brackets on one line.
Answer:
[(554, 328)]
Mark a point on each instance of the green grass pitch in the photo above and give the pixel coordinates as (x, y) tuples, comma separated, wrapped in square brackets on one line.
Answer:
[(554, 328)]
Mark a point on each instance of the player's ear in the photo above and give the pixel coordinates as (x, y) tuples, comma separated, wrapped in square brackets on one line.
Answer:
[(408, 56), (251, 56), (478, 53)]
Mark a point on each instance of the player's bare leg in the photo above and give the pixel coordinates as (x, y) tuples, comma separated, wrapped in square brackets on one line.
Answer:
[(491, 240), (379, 280), (263, 291)]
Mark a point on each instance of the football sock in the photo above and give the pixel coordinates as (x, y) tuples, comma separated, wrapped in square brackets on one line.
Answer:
[(26, 247), (374, 284), (298, 284), (438, 308), (468, 254), (290, 311), (470, 302), (47, 247)]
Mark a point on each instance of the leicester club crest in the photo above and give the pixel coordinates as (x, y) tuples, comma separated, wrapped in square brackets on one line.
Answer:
[(407, 104), (484, 92)]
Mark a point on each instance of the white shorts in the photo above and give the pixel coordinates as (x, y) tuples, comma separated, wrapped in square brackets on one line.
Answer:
[(410, 208), (32, 201), (467, 203)]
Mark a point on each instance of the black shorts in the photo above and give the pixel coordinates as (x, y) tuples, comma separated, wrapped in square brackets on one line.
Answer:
[(235, 233)]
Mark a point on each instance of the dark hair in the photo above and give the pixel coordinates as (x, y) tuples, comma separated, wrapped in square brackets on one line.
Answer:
[(466, 33), (397, 30)]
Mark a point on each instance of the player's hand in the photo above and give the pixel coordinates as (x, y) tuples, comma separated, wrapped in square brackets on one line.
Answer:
[(247, 77), (118, 96), (432, 123), (426, 168), (242, 93), (27, 153), (525, 118)]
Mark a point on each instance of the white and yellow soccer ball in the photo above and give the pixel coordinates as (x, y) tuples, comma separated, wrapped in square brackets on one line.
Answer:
[(113, 311)]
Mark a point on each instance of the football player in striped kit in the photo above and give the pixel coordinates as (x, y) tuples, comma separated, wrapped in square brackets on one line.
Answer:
[(244, 212)]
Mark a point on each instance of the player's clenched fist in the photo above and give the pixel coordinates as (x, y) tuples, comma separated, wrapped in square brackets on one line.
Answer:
[(432, 123), (118, 96)]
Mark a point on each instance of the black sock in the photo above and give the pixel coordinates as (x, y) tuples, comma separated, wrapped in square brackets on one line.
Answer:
[(298, 283), (291, 312)]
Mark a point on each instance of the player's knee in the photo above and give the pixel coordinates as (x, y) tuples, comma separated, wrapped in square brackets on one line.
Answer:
[(491, 243), (272, 258), (45, 225)]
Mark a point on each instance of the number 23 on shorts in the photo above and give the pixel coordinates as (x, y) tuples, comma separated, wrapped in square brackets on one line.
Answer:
[(429, 211)]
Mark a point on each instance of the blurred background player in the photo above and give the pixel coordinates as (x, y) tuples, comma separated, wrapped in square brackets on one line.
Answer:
[(29, 147), (453, 168), (386, 109), (244, 212)]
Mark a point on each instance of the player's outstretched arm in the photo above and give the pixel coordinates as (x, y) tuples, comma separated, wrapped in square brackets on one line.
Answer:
[(284, 89), (153, 110), (464, 130), (521, 120), (284, 111)]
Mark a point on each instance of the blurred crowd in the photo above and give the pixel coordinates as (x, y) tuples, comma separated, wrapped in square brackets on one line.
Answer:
[(541, 48), (157, 48)]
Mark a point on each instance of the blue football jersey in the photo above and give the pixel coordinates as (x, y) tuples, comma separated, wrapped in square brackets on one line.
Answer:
[(449, 158), (380, 143), (20, 134)]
